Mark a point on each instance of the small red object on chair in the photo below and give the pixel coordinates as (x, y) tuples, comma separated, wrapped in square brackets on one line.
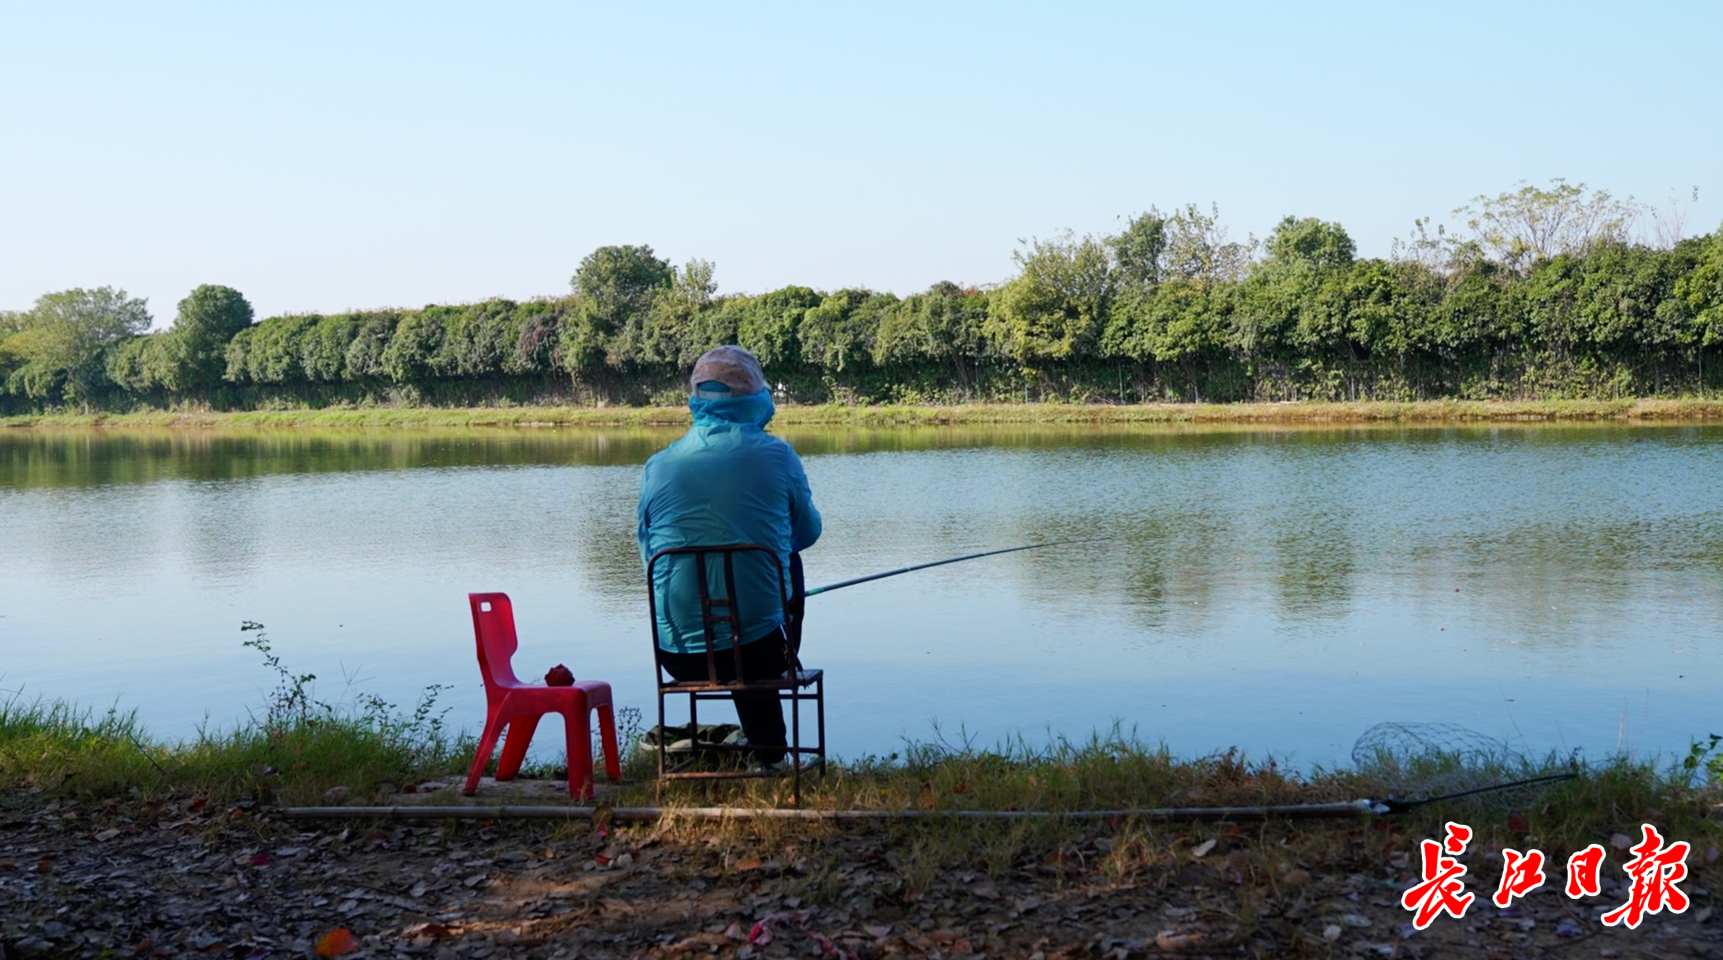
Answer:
[(518, 706)]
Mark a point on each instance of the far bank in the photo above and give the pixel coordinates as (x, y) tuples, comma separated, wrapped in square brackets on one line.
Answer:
[(1430, 411)]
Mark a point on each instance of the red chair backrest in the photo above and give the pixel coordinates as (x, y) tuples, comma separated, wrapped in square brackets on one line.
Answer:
[(494, 632)]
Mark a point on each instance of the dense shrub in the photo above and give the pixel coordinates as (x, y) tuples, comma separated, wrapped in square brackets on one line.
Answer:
[(1167, 309)]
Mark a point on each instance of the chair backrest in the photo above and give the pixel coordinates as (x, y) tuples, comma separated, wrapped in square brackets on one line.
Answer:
[(494, 634), (713, 610)]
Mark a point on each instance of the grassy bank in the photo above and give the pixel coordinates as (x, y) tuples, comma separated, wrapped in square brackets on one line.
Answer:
[(299, 751), (1431, 411), (115, 839)]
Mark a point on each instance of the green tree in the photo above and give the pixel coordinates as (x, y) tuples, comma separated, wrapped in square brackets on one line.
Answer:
[(1701, 290), (193, 351), (56, 348), (1181, 322), (1139, 249), (614, 286), (1056, 306), (1325, 246), (670, 330), (539, 329), (412, 353), (838, 335), (323, 348), (943, 326), (365, 353), (1197, 248), (769, 325), (1292, 309)]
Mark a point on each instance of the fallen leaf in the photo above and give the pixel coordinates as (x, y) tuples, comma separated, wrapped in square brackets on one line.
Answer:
[(1202, 849), (259, 859), (108, 834), (878, 931), (1169, 940), (748, 863), (336, 942)]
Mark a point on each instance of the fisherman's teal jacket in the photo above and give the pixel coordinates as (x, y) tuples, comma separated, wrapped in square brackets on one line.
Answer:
[(725, 481)]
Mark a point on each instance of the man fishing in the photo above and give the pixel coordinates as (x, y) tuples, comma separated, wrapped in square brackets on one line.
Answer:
[(728, 481)]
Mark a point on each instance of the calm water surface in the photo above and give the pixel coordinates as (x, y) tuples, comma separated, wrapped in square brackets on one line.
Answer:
[(1560, 587)]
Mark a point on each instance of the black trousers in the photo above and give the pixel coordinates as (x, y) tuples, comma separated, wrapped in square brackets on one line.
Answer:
[(761, 714)]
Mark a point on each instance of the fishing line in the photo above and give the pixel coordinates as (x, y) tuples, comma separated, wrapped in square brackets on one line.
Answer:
[(937, 563)]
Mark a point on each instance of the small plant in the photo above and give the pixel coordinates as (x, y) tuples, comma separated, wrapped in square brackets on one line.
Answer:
[(1705, 756), (291, 700)]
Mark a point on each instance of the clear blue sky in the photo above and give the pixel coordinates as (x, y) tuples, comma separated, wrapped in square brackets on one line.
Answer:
[(328, 156)]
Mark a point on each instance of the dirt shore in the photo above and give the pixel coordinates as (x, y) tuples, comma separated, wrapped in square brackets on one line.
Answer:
[(192, 879)]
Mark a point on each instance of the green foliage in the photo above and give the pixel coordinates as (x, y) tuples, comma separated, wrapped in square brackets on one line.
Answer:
[(192, 355), (1324, 246), (614, 287), (770, 324), (839, 333), (1705, 758), (1546, 299), (55, 350), (365, 353), (1139, 250), (323, 348), (1197, 248), (1056, 306)]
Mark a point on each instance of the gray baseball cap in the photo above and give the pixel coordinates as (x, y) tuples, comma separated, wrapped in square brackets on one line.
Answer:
[(735, 368)]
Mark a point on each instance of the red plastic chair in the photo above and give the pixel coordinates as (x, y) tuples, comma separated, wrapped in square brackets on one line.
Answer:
[(518, 706)]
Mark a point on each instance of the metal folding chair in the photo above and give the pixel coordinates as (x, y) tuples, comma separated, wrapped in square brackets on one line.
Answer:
[(796, 685)]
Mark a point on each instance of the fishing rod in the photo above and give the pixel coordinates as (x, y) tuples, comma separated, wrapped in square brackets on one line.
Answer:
[(938, 563)]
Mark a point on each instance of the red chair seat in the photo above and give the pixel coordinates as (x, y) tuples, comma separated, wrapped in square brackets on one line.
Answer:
[(518, 706)]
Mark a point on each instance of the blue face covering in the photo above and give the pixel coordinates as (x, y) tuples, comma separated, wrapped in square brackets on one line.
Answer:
[(754, 408)]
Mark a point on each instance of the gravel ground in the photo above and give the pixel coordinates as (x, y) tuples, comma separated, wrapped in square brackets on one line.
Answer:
[(185, 879)]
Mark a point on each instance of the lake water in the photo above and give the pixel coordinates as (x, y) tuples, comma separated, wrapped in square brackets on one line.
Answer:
[(1279, 590)]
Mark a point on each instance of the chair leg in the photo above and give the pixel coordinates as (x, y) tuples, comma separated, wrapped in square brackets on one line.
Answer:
[(607, 736), (579, 752), (482, 756), (515, 744)]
